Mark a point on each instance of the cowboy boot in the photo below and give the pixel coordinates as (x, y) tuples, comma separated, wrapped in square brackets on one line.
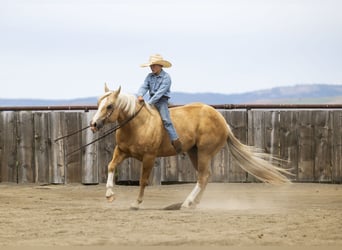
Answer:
[(177, 145)]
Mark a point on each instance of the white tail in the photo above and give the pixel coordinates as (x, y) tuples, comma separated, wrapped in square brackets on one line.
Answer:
[(255, 162)]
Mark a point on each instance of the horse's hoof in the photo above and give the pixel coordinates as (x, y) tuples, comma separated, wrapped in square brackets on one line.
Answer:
[(110, 198), (188, 205), (135, 206)]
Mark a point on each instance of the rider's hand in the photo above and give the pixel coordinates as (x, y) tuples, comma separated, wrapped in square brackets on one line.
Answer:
[(141, 99)]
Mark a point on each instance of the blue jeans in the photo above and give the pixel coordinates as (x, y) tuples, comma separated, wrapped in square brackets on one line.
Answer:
[(162, 106)]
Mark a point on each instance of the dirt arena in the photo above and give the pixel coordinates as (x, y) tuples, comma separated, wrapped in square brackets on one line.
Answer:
[(230, 215)]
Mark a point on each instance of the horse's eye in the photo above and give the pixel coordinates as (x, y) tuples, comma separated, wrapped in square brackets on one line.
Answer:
[(110, 106)]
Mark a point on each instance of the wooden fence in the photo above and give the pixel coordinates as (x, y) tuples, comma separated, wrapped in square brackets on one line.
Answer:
[(309, 139)]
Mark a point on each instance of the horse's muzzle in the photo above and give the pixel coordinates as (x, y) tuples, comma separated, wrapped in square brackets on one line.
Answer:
[(97, 125)]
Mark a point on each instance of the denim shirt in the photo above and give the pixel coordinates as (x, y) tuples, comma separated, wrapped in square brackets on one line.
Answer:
[(157, 85)]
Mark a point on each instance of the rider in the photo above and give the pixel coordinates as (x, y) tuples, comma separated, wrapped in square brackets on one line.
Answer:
[(158, 85)]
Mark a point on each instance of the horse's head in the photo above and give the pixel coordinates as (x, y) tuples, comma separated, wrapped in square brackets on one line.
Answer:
[(107, 111)]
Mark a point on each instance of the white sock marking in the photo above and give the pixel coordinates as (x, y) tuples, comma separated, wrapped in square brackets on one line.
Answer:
[(192, 196), (110, 180)]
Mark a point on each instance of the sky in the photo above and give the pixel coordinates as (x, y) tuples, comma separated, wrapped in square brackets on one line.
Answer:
[(64, 49)]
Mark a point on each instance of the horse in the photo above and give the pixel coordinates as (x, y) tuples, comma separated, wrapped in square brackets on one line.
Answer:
[(202, 130)]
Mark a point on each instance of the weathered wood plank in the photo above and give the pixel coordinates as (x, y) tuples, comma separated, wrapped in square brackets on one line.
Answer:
[(2, 145), (155, 178), (289, 141), (135, 169), (129, 171), (8, 161), (336, 160), (42, 146), (219, 166), (57, 159), (256, 128), (89, 165), (169, 169), (73, 162), (306, 162), (272, 131), (124, 171), (25, 150), (322, 143)]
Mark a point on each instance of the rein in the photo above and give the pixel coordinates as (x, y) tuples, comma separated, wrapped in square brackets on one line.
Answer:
[(108, 132)]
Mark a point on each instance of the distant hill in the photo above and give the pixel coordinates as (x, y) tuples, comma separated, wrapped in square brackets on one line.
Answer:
[(311, 93), (300, 94)]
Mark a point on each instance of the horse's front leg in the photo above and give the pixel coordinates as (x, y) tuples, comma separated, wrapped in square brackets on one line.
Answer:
[(147, 165), (118, 157)]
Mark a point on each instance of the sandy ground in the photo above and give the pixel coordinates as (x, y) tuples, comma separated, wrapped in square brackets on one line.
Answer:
[(229, 215)]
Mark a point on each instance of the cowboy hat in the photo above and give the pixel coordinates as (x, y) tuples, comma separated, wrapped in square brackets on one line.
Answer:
[(157, 59)]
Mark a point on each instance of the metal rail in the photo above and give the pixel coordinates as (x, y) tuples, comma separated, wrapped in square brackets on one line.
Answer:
[(86, 108)]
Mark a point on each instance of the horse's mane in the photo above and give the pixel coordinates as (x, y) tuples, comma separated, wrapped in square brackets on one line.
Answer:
[(128, 102)]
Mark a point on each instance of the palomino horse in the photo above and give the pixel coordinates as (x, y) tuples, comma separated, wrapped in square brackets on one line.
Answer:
[(202, 130)]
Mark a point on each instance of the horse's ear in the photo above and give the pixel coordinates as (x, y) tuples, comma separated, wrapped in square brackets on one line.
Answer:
[(118, 91), (106, 88)]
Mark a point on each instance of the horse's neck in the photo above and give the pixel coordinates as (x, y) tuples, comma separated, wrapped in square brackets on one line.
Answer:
[(142, 114)]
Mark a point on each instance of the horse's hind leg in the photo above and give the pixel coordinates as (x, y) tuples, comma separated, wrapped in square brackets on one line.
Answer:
[(202, 180), (193, 155), (148, 162)]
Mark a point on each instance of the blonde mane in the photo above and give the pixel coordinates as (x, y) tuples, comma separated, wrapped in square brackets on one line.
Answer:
[(128, 102)]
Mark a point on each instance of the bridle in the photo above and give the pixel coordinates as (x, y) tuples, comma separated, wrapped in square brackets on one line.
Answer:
[(109, 114), (108, 132)]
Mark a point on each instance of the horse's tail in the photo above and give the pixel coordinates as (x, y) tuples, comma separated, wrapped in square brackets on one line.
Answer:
[(255, 162)]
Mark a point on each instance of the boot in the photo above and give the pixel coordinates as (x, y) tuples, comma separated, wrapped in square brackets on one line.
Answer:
[(177, 145)]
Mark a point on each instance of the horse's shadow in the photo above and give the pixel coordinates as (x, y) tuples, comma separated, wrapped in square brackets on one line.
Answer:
[(175, 206)]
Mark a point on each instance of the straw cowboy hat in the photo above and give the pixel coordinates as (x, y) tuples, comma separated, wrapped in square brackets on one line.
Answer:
[(157, 59)]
